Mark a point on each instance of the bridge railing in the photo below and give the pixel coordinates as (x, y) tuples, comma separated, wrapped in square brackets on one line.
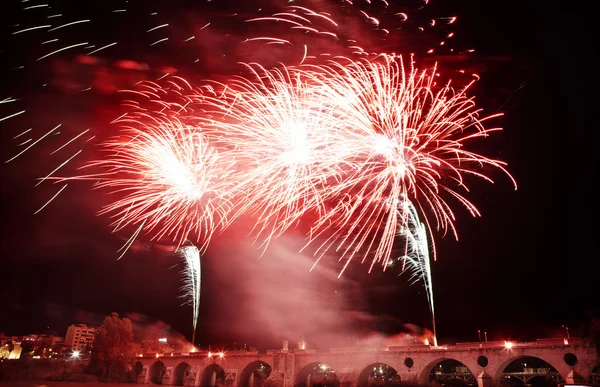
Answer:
[(414, 347), (512, 344)]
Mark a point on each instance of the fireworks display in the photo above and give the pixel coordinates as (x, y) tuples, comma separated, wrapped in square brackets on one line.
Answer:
[(349, 142), (289, 142), (416, 254), (407, 137), (166, 176), (192, 281), (319, 122)]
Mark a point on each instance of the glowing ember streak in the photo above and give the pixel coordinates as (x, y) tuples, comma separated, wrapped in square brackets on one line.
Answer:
[(22, 133), (35, 142), (192, 281), (157, 27), (57, 168), (69, 24), (51, 199), (70, 141), (159, 41), (102, 48), (62, 49), (31, 29), (130, 241), (36, 6), (12, 115)]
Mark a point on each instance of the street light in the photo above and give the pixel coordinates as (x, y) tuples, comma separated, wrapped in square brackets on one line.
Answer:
[(75, 354)]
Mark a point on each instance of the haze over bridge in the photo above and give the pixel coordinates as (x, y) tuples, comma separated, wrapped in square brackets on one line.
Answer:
[(570, 361)]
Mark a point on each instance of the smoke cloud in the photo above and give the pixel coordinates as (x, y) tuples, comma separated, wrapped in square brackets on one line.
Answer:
[(270, 295)]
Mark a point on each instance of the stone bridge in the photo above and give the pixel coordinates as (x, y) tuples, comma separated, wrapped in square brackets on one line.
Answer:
[(485, 363)]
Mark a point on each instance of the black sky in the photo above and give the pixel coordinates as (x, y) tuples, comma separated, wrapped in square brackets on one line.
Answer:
[(523, 269)]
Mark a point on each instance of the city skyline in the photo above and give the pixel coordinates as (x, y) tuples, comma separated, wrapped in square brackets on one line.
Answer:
[(522, 270)]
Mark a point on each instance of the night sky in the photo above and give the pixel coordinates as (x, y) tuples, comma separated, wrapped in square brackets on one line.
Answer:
[(524, 268)]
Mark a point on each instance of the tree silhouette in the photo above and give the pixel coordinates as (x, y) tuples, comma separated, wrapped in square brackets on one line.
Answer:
[(112, 349)]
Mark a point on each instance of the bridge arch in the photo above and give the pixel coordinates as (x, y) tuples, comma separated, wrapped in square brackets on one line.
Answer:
[(180, 373), (212, 376), (379, 374), (254, 374), (527, 369), (156, 372), (317, 374), (447, 371)]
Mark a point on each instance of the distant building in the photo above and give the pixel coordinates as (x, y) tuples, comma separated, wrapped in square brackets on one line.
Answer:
[(31, 337), (53, 340), (15, 353), (80, 336), (35, 346)]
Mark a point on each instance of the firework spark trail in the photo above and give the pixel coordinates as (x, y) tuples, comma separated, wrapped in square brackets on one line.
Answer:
[(69, 24), (192, 282), (12, 115), (354, 31), (57, 168), (8, 100), (35, 142), (416, 255), (22, 133), (51, 199), (32, 29), (61, 49), (123, 250), (102, 48), (70, 141)]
